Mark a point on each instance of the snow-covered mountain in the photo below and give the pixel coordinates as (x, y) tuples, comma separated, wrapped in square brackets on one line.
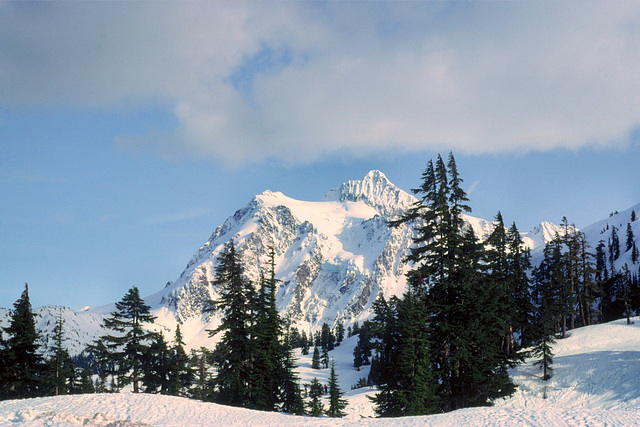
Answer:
[(333, 257)]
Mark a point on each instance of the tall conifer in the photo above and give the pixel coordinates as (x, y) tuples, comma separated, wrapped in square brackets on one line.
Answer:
[(23, 363), (230, 355), (127, 348)]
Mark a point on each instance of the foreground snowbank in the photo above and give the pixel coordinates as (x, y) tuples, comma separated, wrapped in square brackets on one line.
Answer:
[(595, 383), (143, 409)]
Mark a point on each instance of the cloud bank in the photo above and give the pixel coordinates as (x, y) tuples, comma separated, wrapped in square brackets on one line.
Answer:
[(300, 81)]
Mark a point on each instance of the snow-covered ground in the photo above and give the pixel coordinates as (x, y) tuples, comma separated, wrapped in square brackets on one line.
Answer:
[(596, 382)]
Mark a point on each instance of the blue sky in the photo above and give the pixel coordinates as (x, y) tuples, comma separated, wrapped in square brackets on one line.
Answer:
[(129, 131)]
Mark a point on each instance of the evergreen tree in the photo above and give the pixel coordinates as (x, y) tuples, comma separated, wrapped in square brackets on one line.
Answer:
[(316, 408), (630, 237), (356, 329), (363, 346), (449, 276), (232, 350), (180, 374), (633, 215), (127, 349), (402, 364), (291, 396), (86, 382), (157, 366), (519, 265), (59, 366), (324, 358), (588, 289), (305, 344), (22, 363), (315, 359), (339, 332), (327, 340), (614, 247), (336, 402), (199, 361), (546, 324)]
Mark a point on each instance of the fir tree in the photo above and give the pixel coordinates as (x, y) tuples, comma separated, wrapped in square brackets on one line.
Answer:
[(22, 363), (316, 408), (336, 402), (233, 348), (127, 349)]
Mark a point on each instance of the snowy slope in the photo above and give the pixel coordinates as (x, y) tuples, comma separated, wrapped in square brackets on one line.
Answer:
[(80, 327), (594, 384)]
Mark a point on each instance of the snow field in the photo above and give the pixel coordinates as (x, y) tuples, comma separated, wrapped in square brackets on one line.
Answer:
[(596, 382)]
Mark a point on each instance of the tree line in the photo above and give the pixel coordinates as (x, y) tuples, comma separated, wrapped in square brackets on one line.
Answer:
[(252, 364), (473, 309)]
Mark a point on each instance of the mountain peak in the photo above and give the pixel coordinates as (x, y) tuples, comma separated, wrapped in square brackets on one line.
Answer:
[(377, 191)]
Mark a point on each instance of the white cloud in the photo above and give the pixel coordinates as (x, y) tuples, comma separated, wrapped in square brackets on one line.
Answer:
[(337, 77)]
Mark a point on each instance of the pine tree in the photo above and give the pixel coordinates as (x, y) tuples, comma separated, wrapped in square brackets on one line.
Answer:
[(336, 402), (127, 349), (22, 363), (232, 350), (316, 408)]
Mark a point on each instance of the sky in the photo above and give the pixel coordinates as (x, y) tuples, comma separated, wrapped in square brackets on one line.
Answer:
[(130, 130)]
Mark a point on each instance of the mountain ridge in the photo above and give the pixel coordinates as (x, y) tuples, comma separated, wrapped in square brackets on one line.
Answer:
[(333, 257)]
